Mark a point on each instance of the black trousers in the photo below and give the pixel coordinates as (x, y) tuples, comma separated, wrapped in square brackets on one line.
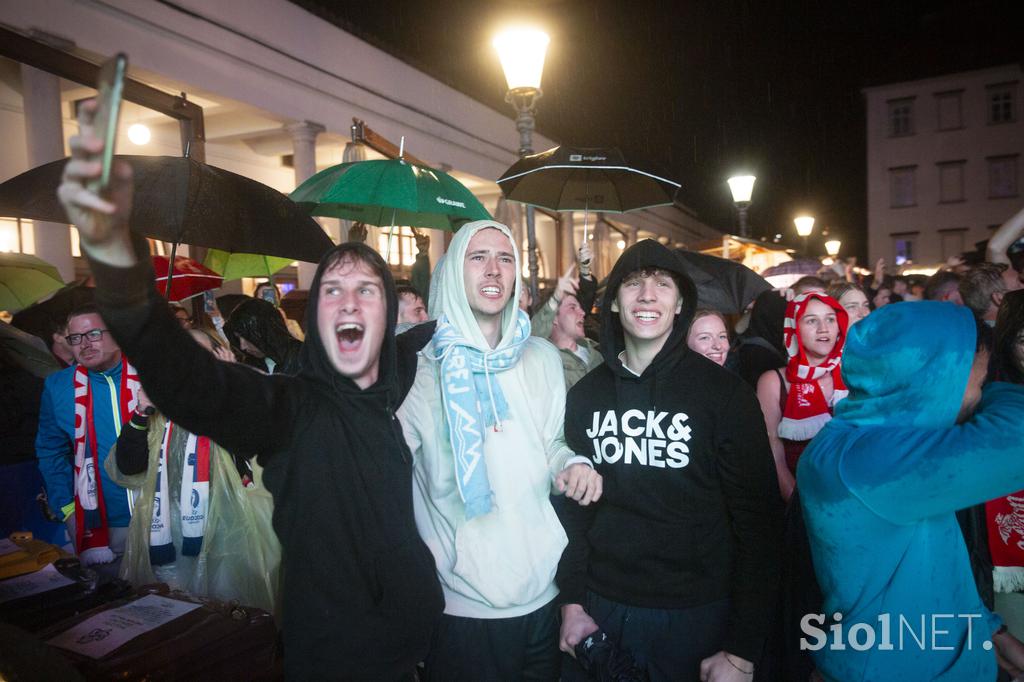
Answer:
[(495, 650), (668, 643)]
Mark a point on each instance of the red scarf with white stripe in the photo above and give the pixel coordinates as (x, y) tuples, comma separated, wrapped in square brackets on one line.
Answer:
[(91, 533), (806, 410)]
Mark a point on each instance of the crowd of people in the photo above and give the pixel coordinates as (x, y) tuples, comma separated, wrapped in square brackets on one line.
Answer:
[(447, 483)]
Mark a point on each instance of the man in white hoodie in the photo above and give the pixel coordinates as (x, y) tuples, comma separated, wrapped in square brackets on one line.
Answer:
[(484, 423)]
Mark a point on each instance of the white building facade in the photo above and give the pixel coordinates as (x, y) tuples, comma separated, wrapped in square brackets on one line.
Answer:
[(943, 163), (279, 89)]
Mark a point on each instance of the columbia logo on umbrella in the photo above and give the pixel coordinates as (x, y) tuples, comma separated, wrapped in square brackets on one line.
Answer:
[(450, 202)]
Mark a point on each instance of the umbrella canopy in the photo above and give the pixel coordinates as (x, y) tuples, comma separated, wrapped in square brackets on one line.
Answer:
[(184, 201), (45, 317), (188, 278), (799, 267), (387, 192), (582, 179), (723, 285), (237, 265), (25, 279)]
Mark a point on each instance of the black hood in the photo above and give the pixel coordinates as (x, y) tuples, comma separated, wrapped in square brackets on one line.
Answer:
[(646, 254), (260, 323), (315, 365), (766, 320)]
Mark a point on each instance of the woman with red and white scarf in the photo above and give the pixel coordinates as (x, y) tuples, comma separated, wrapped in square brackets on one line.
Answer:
[(799, 402)]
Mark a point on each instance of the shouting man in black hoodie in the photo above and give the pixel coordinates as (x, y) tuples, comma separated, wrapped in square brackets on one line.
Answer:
[(360, 592), (678, 563)]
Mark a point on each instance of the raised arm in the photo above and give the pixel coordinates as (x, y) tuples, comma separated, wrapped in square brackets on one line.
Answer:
[(938, 471), (238, 408), (1007, 234)]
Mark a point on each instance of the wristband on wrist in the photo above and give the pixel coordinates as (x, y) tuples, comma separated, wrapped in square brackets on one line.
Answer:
[(68, 509)]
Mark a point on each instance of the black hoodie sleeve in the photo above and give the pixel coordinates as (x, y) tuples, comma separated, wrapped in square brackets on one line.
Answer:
[(571, 574), (747, 475), (237, 407)]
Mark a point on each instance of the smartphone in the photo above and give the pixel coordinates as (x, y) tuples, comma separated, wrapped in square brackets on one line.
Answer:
[(269, 294), (210, 304), (110, 88)]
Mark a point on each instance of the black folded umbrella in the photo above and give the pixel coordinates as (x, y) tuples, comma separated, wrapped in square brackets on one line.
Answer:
[(723, 285), (183, 201)]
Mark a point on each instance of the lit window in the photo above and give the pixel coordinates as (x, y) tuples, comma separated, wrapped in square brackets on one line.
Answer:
[(16, 236), (901, 186), (1001, 107), (904, 251), (901, 117), (951, 181), (403, 245), (1002, 176)]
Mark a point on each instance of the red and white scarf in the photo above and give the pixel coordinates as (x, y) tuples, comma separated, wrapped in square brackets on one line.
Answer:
[(194, 499), (91, 533), (1005, 520), (806, 410)]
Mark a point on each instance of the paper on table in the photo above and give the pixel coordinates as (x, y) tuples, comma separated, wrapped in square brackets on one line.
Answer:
[(45, 579), (97, 636), (6, 546)]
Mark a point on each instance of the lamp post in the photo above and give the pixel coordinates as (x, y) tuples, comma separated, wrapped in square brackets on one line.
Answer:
[(742, 188), (804, 227), (832, 247), (521, 51)]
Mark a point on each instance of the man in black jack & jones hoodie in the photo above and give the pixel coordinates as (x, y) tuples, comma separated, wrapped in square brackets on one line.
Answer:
[(360, 590), (678, 563)]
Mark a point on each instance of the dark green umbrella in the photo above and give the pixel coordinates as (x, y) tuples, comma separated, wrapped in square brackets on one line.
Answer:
[(24, 279), (389, 192)]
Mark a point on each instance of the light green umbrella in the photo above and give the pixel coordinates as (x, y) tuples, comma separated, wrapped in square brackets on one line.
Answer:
[(237, 265), (389, 192), (25, 279)]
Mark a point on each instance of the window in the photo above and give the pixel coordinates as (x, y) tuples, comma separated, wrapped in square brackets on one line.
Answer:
[(951, 181), (1002, 176), (1001, 103), (403, 245), (949, 110), (901, 117), (903, 249), (16, 236), (901, 186), (952, 241)]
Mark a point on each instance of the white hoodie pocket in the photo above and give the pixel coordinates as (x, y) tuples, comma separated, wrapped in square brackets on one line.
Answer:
[(509, 556)]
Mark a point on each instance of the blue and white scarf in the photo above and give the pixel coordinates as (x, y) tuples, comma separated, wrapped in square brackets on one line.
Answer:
[(466, 387), (194, 499)]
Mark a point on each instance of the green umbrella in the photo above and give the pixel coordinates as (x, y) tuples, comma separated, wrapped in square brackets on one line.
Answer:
[(25, 279), (237, 265), (387, 192)]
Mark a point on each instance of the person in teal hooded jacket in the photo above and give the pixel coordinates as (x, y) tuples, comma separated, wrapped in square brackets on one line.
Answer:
[(880, 485)]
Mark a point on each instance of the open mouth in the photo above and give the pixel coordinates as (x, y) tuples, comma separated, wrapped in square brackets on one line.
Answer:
[(646, 316), (350, 335), (491, 291)]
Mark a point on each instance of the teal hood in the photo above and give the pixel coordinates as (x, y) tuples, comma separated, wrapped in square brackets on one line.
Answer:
[(448, 288), (906, 355)]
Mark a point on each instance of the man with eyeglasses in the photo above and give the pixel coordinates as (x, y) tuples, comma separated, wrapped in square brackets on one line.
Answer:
[(82, 411)]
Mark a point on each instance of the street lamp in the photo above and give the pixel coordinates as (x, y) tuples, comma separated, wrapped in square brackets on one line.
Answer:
[(521, 51), (742, 188), (832, 247), (804, 227)]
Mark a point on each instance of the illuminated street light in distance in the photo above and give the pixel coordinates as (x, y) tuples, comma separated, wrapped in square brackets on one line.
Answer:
[(742, 188), (804, 225), (139, 134), (521, 51), (832, 247)]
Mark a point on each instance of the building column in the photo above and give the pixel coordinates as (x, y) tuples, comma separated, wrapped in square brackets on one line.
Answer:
[(631, 235), (44, 138), (304, 161)]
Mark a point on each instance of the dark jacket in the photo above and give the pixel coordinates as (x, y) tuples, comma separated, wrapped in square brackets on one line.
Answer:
[(760, 349), (691, 512), (262, 326), (360, 591)]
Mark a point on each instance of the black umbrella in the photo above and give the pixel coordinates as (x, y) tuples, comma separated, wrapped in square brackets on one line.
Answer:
[(584, 179), (183, 201), (43, 318), (723, 285)]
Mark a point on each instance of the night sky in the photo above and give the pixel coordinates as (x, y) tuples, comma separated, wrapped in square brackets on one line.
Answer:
[(702, 90)]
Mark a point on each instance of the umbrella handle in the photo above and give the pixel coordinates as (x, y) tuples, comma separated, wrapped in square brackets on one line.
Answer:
[(170, 270)]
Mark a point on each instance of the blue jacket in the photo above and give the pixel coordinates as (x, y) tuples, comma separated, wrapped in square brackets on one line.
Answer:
[(880, 485), (55, 439)]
